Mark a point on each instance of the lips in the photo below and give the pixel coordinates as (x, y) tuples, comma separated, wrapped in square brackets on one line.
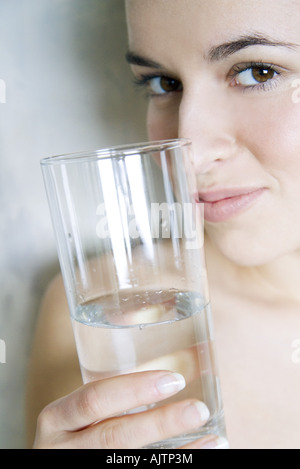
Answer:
[(223, 204)]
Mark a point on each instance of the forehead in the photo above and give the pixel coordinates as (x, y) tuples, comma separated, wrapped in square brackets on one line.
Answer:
[(163, 24)]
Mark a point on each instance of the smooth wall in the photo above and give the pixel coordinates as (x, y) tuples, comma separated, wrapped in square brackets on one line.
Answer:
[(64, 87)]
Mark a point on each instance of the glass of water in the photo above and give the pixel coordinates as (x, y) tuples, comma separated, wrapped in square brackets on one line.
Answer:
[(130, 238)]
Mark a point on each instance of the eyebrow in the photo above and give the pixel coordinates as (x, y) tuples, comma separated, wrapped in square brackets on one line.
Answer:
[(136, 59), (229, 48), (217, 53)]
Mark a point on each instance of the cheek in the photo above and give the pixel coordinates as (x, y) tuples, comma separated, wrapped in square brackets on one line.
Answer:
[(286, 138), (162, 121), (270, 130), (273, 135)]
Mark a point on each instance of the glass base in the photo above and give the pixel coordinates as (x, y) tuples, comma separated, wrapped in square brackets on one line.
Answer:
[(215, 427)]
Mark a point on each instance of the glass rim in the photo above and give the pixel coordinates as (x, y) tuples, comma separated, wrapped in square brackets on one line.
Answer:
[(118, 151)]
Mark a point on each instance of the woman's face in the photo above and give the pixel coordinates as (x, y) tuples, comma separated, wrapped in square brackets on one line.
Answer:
[(226, 73)]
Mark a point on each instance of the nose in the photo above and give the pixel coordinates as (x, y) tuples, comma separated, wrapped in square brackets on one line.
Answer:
[(208, 120)]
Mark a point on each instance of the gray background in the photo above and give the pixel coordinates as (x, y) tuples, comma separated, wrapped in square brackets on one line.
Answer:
[(68, 89)]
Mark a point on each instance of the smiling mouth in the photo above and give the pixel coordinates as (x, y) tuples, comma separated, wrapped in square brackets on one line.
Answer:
[(220, 206)]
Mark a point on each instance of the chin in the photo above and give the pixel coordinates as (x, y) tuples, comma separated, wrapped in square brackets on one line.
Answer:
[(251, 250), (250, 259)]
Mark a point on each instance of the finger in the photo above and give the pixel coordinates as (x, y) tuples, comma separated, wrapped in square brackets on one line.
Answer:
[(144, 428), (101, 400)]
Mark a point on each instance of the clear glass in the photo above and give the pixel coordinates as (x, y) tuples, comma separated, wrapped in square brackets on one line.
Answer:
[(130, 238)]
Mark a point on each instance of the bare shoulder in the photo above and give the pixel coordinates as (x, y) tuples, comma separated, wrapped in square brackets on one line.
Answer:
[(53, 369)]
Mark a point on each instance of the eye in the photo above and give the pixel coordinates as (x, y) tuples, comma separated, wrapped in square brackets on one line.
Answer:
[(255, 75), (163, 85), (159, 85)]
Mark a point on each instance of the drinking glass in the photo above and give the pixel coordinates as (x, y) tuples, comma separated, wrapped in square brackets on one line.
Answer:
[(130, 237)]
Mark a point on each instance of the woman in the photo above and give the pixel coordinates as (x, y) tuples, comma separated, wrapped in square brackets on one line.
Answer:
[(225, 74)]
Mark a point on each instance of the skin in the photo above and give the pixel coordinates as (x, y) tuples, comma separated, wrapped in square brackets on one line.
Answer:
[(245, 133)]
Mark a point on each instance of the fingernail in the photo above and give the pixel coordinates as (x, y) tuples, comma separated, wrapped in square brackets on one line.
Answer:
[(222, 443), (170, 383), (196, 414), (215, 443)]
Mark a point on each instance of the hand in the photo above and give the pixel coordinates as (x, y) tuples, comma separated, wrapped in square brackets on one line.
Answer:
[(91, 417)]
